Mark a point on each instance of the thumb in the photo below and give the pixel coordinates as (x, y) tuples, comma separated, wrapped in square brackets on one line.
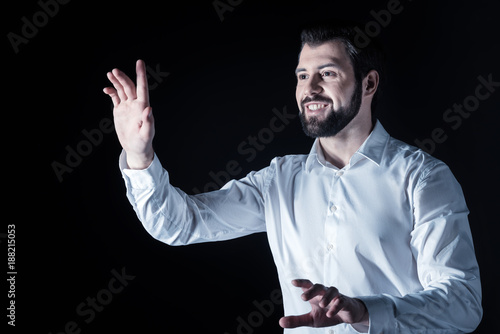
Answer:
[(147, 121), (293, 321), (147, 114)]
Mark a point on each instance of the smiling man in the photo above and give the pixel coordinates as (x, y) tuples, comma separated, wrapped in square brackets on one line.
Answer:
[(368, 234)]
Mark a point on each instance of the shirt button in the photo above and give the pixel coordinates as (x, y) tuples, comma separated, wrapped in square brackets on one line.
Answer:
[(331, 331), (333, 208), (340, 173), (329, 247)]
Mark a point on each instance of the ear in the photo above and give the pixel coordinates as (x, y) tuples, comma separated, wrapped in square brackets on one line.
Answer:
[(370, 83)]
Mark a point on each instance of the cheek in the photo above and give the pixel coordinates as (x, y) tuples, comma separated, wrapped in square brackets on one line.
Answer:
[(339, 95), (298, 95), (345, 93)]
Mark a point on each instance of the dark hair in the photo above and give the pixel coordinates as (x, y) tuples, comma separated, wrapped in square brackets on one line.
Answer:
[(364, 58)]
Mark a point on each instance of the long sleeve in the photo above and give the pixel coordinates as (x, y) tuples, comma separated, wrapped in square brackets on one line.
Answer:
[(441, 242), (176, 218)]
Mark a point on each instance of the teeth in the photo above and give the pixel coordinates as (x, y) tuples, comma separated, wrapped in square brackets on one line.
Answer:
[(316, 106)]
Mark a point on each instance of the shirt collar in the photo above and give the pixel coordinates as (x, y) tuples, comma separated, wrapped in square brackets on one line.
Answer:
[(372, 149)]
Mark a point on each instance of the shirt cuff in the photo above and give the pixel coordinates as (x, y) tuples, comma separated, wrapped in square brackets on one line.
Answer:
[(380, 313), (141, 178)]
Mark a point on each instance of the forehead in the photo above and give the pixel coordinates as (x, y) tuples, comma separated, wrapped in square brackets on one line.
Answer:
[(329, 52)]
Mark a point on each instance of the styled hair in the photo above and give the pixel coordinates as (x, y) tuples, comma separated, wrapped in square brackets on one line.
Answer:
[(364, 58)]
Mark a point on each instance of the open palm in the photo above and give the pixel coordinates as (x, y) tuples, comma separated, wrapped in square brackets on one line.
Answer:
[(133, 116), (328, 307)]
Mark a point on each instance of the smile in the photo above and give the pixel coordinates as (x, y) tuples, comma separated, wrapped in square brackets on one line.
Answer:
[(316, 106)]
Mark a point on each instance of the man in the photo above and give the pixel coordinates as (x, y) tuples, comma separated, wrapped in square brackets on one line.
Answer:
[(368, 234)]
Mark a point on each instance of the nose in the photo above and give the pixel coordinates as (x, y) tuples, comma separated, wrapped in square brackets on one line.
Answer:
[(313, 86)]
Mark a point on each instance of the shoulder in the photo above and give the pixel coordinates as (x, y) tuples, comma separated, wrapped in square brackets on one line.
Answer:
[(417, 164), (289, 163), (400, 152)]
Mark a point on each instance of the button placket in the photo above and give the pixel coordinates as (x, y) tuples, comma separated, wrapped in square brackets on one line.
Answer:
[(332, 218)]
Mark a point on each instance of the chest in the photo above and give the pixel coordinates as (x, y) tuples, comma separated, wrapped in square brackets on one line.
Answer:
[(351, 213)]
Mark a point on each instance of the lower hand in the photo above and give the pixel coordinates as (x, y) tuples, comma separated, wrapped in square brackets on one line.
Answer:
[(329, 308)]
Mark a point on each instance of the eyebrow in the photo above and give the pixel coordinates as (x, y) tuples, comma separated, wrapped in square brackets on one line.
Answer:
[(302, 69)]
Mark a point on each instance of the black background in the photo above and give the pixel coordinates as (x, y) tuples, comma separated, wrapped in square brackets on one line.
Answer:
[(225, 77)]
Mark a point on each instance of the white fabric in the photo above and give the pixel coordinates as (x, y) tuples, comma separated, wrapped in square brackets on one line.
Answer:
[(390, 228)]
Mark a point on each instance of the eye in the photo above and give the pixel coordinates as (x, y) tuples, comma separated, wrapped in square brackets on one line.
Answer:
[(329, 74), (302, 76)]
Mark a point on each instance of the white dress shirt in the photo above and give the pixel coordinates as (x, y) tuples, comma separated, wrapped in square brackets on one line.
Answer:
[(389, 228)]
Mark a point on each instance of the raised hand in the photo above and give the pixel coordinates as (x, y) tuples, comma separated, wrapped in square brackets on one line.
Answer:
[(329, 308), (133, 115)]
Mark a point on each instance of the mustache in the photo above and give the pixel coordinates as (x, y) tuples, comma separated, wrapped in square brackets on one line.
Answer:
[(318, 99)]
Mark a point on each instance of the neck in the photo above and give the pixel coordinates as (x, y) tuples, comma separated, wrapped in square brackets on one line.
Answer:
[(339, 149)]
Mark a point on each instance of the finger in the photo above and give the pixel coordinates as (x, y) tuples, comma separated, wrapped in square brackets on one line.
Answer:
[(142, 81), (127, 84), (315, 290), (335, 306), (294, 321), (330, 294), (114, 96), (118, 86), (302, 283)]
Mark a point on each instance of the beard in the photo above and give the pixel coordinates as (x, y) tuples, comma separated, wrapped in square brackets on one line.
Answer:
[(335, 121)]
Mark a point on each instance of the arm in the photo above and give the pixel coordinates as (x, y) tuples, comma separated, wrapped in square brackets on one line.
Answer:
[(167, 213), (176, 218), (442, 245)]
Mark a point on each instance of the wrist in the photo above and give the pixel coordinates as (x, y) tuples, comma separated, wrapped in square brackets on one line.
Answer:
[(140, 161), (364, 319)]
